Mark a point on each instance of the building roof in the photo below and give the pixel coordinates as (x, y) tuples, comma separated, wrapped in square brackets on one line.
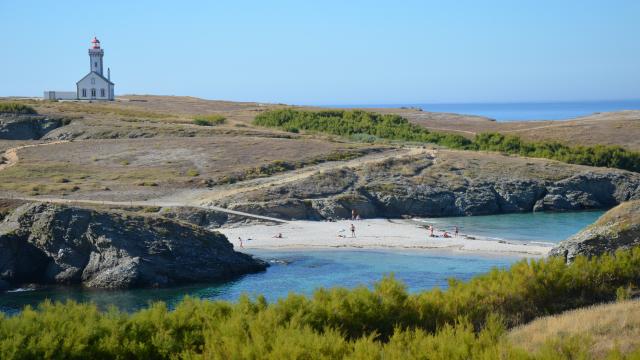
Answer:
[(96, 74)]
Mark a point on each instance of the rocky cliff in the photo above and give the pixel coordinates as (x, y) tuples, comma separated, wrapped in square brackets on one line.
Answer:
[(448, 184), (27, 127), (54, 244), (618, 228)]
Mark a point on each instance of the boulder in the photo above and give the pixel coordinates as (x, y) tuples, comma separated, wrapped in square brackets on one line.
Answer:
[(56, 244), (618, 228)]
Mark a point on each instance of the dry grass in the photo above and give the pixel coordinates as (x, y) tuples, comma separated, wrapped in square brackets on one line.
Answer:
[(613, 128), (607, 327), (151, 165)]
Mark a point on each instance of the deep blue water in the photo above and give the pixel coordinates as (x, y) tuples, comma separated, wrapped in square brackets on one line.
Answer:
[(519, 111), (302, 271)]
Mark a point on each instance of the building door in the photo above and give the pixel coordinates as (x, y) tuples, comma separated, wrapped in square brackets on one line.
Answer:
[(93, 93)]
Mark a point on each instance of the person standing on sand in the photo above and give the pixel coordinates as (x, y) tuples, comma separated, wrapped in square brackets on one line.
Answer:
[(240, 240), (353, 231), (430, 230), (456, 231)]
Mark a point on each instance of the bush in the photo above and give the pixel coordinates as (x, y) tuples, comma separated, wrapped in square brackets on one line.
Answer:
[(209, 120), (16, 108), (365, 126), (466, 321)]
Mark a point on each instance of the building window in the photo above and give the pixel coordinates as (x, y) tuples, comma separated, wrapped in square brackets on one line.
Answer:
[(101, 92), (93, 80), (93, 92), (84, 92)]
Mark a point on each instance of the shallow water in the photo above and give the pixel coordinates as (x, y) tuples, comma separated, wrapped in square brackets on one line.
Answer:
[(539, 227), (302, 271)]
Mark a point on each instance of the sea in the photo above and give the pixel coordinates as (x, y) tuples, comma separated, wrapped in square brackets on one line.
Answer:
[(517, 111), (303, 271)]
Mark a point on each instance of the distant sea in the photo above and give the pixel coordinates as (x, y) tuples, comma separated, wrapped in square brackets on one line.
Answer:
[(524, 111)]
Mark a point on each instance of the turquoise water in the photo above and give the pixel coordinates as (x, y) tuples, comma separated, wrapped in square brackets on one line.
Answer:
[(302, 271), (539, 227), (520, 111)]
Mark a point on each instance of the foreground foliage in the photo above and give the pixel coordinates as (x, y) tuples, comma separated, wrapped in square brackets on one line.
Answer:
[(16, 108), (466, 321), (365, 126)]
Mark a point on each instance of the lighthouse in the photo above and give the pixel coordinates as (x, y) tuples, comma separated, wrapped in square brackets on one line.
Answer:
[(94, 85)]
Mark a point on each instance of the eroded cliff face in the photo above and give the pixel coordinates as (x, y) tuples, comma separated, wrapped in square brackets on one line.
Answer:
[(54, 244), (440, 186), (28, 127), (618, 228)]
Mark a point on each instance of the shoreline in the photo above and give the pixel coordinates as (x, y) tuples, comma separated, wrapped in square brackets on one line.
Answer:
[(373, 234)]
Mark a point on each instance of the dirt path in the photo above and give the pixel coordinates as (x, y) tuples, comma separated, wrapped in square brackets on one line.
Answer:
[(220, 192), (146, 203), (10, 155), (205, 198)]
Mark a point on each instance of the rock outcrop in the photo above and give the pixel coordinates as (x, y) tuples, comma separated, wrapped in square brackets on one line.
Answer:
[(424, 187), (618, 228), (27, 127), (55, 244)]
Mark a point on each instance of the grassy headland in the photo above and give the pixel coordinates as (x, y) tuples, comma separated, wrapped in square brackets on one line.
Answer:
[(362, 125), (16, 108), (466, 321)]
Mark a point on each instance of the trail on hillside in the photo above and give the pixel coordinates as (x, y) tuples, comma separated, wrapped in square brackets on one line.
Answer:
[(205, 199), (223, 191), (10, 155)]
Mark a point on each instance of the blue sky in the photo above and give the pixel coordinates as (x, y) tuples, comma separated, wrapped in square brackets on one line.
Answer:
[(330, 52)]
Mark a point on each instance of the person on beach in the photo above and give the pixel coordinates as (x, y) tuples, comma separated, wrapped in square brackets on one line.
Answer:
[(353, 231), (277, 236), (456, 231), (431, 231), (353, 214), (446, 235), (240, 240)]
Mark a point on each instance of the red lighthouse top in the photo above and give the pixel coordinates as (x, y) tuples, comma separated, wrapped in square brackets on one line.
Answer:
[(96, 43)]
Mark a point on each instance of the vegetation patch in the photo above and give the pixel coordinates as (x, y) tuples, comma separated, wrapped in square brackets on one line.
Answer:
[(209, 120), (366, 126), (279, 166), (16, 108), (466, 321)]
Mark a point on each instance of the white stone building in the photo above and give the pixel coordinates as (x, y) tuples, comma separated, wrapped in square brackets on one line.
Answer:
[(94, 85)]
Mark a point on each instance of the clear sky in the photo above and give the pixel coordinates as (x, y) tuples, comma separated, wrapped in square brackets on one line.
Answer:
[(330, 52)]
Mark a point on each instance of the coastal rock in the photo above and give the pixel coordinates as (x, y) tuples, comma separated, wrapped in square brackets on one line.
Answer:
[(46, 243), (27, 127), (197, 216), (618, 228)]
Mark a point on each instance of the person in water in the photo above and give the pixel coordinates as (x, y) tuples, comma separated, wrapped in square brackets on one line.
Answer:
[(353, 230)]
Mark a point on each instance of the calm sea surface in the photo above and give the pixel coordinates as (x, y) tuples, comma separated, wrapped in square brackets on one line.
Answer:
[(303, 271), (519, 111)]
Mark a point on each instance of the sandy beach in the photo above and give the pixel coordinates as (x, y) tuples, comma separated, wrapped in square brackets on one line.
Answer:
[(372, 234)]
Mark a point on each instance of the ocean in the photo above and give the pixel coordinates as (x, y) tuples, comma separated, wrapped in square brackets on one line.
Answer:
[(302, 271), (523, 111)]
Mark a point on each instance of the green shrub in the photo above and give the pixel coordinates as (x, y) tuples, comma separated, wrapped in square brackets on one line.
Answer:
[(193, 172), (365, 126), (466, 321), (209, 120), (16, 108)]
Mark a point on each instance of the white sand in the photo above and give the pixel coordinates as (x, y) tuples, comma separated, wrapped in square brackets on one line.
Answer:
[(370, 234)]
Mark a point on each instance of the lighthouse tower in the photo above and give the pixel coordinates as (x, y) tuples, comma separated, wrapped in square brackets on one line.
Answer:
[(95, 56), (94, 85)]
